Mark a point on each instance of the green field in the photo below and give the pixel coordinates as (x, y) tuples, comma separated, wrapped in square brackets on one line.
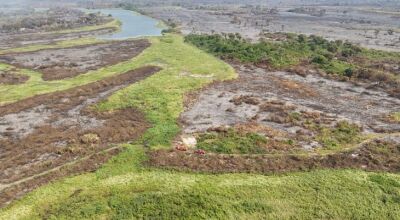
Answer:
[(124, 188)]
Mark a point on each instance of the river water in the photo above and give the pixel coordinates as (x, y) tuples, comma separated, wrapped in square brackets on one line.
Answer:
[(133, 24)]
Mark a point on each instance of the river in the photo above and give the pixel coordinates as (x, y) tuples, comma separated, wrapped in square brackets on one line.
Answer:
[(133, 24)]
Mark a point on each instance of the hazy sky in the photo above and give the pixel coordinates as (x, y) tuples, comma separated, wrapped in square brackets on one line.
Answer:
[(268, 2)]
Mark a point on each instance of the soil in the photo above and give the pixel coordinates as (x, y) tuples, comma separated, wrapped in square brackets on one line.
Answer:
[(10, 78), (285, 106), (351, 23), (269, 98), (377, 155), (8, 41), (47, 131), (57, 64)]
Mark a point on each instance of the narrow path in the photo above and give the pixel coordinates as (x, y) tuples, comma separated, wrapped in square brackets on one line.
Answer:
[(5, 186)]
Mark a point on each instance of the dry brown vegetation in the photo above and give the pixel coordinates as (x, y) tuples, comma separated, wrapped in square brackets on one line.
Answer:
[(70, 131), (378, 155), (12, 78)]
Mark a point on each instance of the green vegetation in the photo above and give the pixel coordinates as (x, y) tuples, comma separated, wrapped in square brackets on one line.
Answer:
[(4, 67), (333, 57), (279, 55), (124, 189), (160, 96), (343, 134), (395, 116), (151, 193), (232, 142), (161, 52)]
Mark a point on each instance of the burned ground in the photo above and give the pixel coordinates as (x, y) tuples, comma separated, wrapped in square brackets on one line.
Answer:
[(44, 132), (9, 77), (309, 121), (52, 19), (8, 41), (11, 192), (57, 64), (352, 23), (270, 97), (377, 155)]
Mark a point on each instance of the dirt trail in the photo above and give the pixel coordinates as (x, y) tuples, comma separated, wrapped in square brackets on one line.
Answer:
[(47, 131), (9, 185)]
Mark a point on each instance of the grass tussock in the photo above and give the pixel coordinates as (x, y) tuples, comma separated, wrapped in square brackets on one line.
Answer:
[(233, 142), (343, 134)]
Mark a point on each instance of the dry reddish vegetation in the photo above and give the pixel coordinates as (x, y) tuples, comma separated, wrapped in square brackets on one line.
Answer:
[(88, 164), (378, 155), (10, 78), (66, 130), (57, 64)]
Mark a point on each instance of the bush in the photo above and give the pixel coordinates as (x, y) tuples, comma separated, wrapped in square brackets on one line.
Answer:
[(343, 133), (301, 38), (349, 72), (350, 50), (319, 59)]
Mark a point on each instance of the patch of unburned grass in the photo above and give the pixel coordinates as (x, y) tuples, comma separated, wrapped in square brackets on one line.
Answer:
[(161, 95), (333, 57), (395, 116), (343, 134), (151, 193), (232, 142), (4, 66)]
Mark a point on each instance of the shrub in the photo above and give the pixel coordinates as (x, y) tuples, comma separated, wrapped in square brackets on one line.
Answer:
[(343, 133), (90, 139), (349, 72), (319, 59), (364, 73), (232, 142)]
